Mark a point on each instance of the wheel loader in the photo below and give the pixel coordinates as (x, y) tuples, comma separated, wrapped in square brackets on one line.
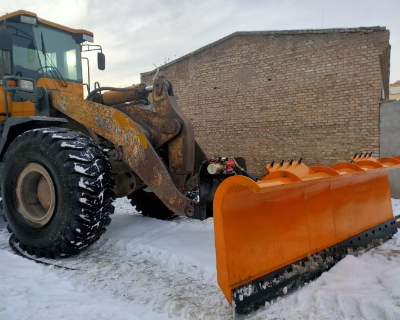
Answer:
[(65, 158)]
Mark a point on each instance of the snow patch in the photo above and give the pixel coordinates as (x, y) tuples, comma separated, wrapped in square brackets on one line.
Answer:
[(80, 169), (184, 245), (85, 184), (71, 156), (363, 287), (144, 268), (67, 145), (58, 136), (83, 216), (83, 200), (31, 291)]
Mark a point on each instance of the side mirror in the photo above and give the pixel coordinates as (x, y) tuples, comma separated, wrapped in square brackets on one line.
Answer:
[(101, 61), (6, 40)]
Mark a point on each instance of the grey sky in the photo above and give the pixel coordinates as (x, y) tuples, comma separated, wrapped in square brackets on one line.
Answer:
[(135, 34)]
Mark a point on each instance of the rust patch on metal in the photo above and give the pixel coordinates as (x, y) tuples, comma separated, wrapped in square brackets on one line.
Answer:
[(115, 97), (126, 181), (118, 128), (182, 147), (143, 140), (155, 122)]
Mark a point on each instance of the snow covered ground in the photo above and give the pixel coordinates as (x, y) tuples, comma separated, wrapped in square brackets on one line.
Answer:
[(144, 268)]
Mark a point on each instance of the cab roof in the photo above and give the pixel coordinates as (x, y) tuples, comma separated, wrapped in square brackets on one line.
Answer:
[(55, 25)]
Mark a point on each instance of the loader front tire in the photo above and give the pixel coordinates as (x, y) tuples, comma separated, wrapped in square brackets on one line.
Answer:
[(148, 204), (57, 191)]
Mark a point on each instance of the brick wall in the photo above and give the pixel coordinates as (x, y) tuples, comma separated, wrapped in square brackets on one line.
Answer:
[(279, 95)]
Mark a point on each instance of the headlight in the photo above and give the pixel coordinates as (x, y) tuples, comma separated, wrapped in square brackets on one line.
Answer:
[(26, 85)]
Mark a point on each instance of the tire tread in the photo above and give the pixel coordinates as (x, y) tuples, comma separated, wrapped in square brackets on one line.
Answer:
[(76, 151)]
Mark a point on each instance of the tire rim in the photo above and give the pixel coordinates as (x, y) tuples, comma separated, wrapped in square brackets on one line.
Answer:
[(36, 195)]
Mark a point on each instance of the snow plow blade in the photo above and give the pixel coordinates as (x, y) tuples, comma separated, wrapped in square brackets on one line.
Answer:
[(274, 235)]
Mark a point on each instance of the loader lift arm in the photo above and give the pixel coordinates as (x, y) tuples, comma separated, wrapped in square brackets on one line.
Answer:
[(134, 141), (168, 124)]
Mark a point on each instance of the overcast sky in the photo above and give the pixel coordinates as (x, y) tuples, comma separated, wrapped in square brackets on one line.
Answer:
[(136, 34)]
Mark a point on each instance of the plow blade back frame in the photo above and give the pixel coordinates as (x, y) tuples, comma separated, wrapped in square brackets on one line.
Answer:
[(274, 235)]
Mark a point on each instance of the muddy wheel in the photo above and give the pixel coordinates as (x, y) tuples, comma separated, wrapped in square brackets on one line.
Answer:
[(57, 191), (149, 205)]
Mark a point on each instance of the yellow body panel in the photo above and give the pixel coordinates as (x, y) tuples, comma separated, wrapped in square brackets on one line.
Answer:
[(27, 109), (73, 89)]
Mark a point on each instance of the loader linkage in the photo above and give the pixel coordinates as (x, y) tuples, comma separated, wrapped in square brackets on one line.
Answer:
[(158, 146)]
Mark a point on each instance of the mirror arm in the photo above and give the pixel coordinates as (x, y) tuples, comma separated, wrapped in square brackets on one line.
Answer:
[(97, 46), (87, 88), (88, 84)]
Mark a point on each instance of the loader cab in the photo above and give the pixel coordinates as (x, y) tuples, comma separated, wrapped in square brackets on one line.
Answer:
[(46, 52)]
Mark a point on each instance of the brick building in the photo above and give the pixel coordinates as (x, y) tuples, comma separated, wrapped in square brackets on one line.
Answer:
[(276, 95)]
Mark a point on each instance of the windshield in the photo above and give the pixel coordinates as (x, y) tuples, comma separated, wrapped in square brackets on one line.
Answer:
[(29, 59), (60, 50), (25, 59)]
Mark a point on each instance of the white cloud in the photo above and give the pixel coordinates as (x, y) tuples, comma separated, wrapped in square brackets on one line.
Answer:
[(135, 34)]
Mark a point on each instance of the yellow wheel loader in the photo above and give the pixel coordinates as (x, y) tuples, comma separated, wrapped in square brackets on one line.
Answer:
[(64, 159)]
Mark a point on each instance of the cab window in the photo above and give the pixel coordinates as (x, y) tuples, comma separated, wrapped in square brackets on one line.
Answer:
[(25, 58)]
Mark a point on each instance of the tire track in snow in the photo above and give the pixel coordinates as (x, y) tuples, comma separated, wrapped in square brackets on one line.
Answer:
[(135, 272)]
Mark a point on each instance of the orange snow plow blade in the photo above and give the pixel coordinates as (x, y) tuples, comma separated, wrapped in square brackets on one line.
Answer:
[(274, 235)]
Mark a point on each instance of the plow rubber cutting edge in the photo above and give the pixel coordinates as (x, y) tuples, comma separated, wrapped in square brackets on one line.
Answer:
[(274, 235)]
